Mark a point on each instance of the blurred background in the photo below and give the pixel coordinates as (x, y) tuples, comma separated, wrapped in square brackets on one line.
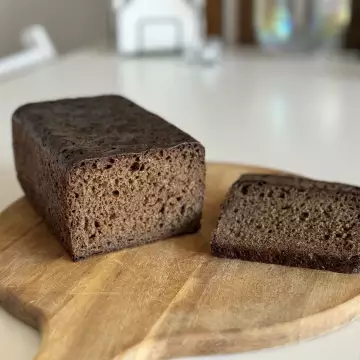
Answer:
[(200, 29), (71, 24)]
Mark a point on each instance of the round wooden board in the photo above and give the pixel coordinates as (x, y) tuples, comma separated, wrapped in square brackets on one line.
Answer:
[(167, 299)]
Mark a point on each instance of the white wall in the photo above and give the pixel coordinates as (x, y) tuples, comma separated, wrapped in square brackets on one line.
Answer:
[(75, 23), (71, 23)]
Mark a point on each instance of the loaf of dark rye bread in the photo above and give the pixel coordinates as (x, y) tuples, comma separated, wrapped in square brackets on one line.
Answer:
[(290, 221), (106, 174)]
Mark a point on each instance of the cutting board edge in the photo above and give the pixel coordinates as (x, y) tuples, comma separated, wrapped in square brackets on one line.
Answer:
[(207, 343), (210, 343)]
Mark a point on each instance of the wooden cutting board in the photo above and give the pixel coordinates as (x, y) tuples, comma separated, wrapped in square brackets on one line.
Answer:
[(167, 299)]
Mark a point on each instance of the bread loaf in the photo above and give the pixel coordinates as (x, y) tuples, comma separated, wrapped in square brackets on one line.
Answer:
[(106, 174)]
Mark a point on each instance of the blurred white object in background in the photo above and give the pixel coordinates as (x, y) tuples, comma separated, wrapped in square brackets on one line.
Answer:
[(38, 49), (156, 26), (204, 51), (164, 27), (301, 25)]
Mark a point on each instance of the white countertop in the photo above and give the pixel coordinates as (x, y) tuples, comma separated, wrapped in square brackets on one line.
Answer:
[(294, 114)]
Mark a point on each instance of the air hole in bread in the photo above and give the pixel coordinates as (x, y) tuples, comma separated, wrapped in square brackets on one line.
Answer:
[(182, 210), (135, 166), (245, 189)]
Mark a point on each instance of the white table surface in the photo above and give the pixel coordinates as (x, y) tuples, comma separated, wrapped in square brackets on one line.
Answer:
[(301, 115)]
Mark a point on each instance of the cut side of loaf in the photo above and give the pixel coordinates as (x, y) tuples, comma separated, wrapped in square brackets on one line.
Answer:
[(291, 221), (106, 174)]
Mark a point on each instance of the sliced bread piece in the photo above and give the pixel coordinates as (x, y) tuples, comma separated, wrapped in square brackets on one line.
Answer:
[(292, 221)]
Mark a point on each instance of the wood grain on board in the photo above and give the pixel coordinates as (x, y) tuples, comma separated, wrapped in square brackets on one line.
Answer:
[(167, 299)]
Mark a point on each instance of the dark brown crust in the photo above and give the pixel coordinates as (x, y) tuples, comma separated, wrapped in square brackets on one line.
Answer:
[(222, 248), (317, 262), (91, 128), (296, 182)]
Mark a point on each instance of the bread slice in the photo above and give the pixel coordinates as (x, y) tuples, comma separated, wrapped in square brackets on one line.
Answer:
[(106, 174), (290, 221)]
